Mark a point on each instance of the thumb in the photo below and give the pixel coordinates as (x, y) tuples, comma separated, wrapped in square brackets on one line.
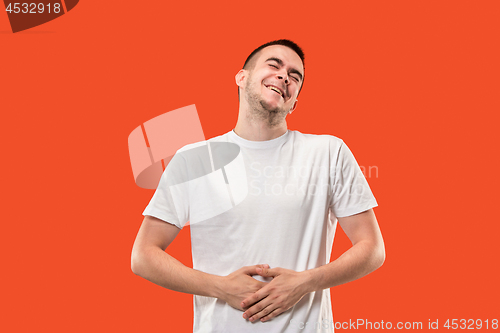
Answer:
[(268, 272), (252, 270)]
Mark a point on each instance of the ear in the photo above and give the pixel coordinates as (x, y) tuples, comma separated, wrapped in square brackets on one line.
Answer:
[(294, 106), (240, 77)]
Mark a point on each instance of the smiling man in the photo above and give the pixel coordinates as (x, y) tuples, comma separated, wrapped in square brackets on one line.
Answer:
[(263, 264), (260, 73)]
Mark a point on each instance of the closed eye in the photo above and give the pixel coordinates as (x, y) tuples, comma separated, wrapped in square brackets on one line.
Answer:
[(273, 66)]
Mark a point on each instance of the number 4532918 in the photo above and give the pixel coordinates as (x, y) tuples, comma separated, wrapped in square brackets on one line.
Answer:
[(33, 8), (471, 324)]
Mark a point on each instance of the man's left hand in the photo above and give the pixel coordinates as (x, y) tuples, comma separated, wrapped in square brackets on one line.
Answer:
[(284, 291)]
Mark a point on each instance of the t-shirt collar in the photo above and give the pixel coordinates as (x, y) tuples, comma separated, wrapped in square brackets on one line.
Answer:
[(258, 144)]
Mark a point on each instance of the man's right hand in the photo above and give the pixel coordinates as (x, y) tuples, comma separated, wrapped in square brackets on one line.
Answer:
[(240, 284)]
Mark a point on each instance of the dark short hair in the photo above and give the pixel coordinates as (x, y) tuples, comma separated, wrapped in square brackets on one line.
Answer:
[(285, 42)]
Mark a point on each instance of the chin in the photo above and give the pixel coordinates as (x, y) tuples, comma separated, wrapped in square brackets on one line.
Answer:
[(270, 107)]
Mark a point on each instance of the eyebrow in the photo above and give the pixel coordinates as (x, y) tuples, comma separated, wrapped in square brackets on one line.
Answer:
[(280, 62)]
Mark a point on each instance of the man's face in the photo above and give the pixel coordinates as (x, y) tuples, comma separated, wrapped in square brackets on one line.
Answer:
[(275, 80)]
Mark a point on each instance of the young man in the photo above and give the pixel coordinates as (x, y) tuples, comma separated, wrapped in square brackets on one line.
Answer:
[(261, 261)]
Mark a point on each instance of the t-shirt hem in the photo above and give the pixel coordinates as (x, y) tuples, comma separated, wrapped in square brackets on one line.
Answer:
[(162, 217), (357, 210)]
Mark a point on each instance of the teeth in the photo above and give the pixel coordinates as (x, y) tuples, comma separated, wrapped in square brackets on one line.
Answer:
[(275, 89)]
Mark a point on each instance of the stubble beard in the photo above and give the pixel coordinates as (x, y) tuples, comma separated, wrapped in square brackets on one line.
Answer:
[(260, 110)]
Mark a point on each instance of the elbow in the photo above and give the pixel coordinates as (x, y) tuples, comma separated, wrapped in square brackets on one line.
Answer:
[(137, 261), (133, 263), (376, 256), (380, 255)]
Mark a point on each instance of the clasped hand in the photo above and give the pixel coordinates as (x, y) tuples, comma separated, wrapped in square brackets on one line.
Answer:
[(261, 300)]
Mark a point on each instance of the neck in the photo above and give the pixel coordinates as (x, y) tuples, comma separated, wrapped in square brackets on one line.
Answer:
[(256, 128)]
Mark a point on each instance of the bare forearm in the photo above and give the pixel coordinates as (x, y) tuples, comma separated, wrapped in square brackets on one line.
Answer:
[(361, 259), (159, 267)]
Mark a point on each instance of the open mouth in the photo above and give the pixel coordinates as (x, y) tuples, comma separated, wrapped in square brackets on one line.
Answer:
[(275, 89)]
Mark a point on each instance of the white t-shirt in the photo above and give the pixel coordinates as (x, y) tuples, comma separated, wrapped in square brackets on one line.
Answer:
[(270, 202)]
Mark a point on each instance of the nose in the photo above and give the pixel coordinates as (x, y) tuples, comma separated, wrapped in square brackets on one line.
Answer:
[(283, 76)]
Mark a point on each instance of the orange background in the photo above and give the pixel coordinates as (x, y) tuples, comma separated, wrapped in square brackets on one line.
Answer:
[(411, 86)]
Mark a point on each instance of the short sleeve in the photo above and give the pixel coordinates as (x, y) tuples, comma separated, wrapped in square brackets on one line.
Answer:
[(170, 201), (351, 192)]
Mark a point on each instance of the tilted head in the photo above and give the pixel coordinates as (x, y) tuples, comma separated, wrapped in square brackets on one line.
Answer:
[(273, 75)]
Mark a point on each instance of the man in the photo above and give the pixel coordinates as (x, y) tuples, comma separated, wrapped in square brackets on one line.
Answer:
[(263, 264)]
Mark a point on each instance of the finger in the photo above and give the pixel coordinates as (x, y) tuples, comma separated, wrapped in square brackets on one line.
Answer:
[(256, 297), (263, 266), (271, 315), (268, 272), (259, 310), (252, 270)]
